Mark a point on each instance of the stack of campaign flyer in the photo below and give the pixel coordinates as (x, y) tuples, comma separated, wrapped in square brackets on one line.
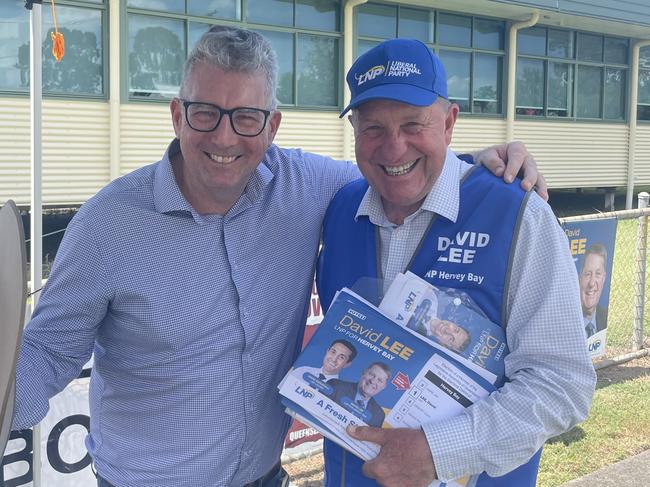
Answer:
[(450, 318), (363, 368)]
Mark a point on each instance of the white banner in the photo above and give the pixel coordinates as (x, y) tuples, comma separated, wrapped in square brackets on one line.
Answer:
[(65, 462)]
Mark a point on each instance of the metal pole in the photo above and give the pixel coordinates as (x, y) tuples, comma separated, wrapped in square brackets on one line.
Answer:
[(36, 210), (641, 247)]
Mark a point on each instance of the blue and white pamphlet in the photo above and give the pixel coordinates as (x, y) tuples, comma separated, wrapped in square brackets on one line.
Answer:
[(419, 380), (450, 318)]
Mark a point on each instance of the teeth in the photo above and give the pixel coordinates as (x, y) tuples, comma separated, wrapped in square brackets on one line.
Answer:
[(222, 159), (399, 170)]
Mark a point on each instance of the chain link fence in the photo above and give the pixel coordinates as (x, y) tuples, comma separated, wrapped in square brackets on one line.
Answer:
[(629, 301)]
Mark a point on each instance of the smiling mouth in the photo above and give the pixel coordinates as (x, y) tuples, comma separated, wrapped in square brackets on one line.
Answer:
[(400, 170), (221, 159)]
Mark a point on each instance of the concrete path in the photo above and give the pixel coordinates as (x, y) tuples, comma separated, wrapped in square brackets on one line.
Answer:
[(631, 472)]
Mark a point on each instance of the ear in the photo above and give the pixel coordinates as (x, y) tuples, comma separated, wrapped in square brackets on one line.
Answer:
[(450, 121), (176, 108), (347, 364), (274, 124)]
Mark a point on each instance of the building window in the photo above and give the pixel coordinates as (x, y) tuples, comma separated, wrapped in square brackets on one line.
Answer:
[(81, 72), (643, 103), (567, 74), (471, 48), (304, 33)]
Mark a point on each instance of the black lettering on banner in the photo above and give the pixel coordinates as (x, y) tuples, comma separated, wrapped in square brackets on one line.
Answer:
[(24, 455), (53, 454)]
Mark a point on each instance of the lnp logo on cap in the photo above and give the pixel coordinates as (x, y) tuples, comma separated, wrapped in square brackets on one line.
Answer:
[(369, 75), (396, 69)]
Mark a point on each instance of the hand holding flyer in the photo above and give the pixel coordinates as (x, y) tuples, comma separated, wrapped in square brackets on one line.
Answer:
[(389, 376)]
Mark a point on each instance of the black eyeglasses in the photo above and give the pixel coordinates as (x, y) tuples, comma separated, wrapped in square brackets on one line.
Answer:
[(206, 117)]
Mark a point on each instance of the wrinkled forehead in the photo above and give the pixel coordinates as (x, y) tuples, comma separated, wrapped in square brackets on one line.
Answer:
[(383, 107), (377, 371), (594, 261)]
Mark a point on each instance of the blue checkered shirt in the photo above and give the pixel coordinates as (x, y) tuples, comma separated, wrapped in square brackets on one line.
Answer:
[(193, 320)]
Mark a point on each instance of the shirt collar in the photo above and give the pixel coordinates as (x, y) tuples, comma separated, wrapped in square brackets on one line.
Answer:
[(443, 199), (168, 197)]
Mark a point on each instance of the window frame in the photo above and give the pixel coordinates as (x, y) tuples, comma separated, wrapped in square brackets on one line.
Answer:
[(97, 5), (575, 65), (436, 46), (638, 81), (186, 18)]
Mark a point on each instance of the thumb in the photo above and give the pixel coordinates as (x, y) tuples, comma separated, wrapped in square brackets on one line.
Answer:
[(366, 433)]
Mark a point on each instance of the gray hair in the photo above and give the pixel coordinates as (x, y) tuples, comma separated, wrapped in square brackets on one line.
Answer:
[(444, 103), (234, 49), (595, 249)]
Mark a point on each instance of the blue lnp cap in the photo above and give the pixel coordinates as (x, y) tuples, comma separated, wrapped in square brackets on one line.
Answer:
[(404, 70)]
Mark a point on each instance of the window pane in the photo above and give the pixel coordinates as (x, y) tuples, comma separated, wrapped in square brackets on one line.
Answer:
[(615, 50), (530, 86), (457, 65), (532, 41), (14, 46), (218, 9), (318, 14), (488, 34), (644, 87), (364, 46), (176, 6), (156, 55), (644, 57), (487, 83), (377, 21), (194, 31), (416, 24), (81, 70), (282, 42), (560, 43), (643, 112), (560, 90), (590, 47), (590, 87), (317, 70), (615, 93), (276, 12), (454, 30)]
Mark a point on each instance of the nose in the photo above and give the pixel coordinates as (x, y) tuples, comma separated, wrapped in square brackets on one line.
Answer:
[(224, 135), (393, 147)]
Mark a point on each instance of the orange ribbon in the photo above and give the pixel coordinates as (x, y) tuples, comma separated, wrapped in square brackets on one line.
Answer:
[(58, 43)]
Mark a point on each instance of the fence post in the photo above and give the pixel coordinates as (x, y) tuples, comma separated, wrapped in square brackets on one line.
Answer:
[(641, 247)]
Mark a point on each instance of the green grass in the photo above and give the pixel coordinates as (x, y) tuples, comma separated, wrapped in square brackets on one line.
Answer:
[(618, 427), (620, 320)]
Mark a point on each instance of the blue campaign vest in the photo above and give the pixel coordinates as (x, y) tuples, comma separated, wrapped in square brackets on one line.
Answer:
[(488, 207)]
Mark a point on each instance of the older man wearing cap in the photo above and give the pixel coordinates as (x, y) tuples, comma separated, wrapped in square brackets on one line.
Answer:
[(416, 197)]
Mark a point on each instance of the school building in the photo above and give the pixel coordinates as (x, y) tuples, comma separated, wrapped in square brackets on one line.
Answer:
[(569, 77)]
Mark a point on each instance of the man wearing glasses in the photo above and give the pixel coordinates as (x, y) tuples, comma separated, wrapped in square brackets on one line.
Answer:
[(189, 280)]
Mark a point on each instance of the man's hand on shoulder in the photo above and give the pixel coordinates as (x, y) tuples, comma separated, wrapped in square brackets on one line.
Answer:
[(510, 159), (404, 458)]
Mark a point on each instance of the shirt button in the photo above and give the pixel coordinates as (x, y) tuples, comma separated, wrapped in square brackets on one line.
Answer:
[(244, 313)]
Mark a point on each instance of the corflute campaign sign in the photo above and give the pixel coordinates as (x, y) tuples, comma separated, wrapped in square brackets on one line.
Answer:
[(592, 247)]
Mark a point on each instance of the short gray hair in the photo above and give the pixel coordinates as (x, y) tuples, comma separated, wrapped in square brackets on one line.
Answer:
[(234, 49)]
